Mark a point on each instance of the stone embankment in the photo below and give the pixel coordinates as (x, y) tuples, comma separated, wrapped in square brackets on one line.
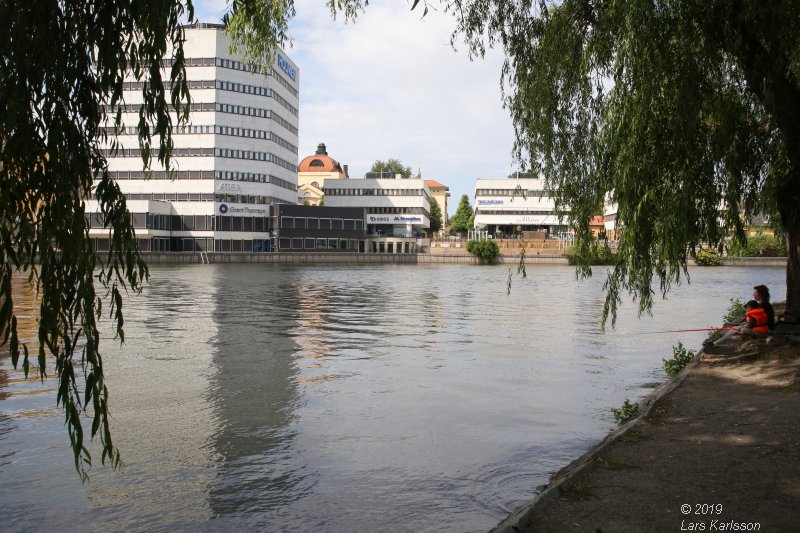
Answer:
[(715, 449)]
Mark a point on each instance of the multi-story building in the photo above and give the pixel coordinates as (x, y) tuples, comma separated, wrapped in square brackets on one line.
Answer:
[(517, 203), (398, 207), (235, 159), (440, 193)]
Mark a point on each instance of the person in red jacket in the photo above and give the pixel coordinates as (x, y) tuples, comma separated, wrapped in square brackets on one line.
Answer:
[(756, 320)]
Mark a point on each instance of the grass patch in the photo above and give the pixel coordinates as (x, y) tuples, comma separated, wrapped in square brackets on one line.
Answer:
[(633, 436), (577, 492)]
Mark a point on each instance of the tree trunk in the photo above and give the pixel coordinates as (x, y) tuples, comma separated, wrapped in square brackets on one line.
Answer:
[(789, 206)]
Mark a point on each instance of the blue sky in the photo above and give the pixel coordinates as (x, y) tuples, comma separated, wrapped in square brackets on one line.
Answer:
[(390, 85)]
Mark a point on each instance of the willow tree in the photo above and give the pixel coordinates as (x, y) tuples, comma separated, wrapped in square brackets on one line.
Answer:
[(685, 114), (63, 64)]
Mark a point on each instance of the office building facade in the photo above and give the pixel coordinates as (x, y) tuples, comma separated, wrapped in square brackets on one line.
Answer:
[(518, 203), (396, 207), (235, 159)]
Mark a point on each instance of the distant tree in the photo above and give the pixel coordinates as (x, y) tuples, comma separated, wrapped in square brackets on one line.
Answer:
[(436, 216), (321, 202), (391, 167), (306, 201), (460, 223)]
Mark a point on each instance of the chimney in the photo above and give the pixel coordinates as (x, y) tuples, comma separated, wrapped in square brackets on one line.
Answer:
[(346, 171)]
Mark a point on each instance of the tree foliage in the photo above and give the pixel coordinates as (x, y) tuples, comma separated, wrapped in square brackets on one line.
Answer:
[(436, 216), (61, 83), (680, 112), (460, 223), (673, 110), (758, 246), (484, 249), (391, 167)]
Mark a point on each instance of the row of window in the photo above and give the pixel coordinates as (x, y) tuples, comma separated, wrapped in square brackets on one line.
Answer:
[(228, 153), (480, 211), (217, 130), (510, 192), (398, 211), (344, 224), (374, 192), (231, 64), (285, 103), (350, 245), (393, 248), (228, 175), (220, 108), (288, 86), (204, 197), (225, 175), (155, 221)]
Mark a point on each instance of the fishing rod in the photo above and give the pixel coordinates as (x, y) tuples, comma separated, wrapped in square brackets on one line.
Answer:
[(681, 331)]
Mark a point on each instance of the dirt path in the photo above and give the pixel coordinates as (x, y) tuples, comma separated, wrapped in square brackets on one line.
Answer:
[(720, 452)]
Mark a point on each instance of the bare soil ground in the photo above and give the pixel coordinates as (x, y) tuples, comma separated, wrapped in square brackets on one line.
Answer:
[(721, 452)]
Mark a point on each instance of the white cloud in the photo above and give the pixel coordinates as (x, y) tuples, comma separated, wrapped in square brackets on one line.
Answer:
[(390, 85)]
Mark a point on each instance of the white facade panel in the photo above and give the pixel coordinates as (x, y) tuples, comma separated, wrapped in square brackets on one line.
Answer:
[(504, 206), (392, 206), (239, 149)]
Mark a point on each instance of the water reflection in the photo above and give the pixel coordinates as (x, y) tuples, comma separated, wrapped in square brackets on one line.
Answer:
[(254, 393), (161, 417)]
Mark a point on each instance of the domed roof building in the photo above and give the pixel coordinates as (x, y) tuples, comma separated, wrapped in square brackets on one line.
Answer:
[(312, 173)]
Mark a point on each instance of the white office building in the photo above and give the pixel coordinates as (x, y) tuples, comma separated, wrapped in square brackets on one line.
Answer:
[(517, 203), (393, 207), (235, 159)]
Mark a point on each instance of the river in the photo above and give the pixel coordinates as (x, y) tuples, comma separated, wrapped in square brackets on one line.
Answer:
[(345, 398)]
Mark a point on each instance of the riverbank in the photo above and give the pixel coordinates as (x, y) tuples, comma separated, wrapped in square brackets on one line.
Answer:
[(299, 258), (717, 448), (440, 256)]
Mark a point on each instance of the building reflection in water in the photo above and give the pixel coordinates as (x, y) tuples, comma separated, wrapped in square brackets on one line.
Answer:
[(254, 394)]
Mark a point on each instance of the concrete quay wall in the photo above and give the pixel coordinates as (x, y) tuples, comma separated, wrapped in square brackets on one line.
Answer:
[(343, 258)]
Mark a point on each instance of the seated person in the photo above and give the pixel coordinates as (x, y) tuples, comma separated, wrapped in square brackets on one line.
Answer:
[(755, 320), (761, 295)]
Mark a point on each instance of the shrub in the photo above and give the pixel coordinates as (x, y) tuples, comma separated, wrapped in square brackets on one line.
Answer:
[(707, 257), (597, 254), (758, 246), (680, 358), (485, 250), (627, 412), (735, 313)]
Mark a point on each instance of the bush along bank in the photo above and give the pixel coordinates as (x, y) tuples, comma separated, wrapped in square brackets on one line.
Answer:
[(485, 250), (597, 254)]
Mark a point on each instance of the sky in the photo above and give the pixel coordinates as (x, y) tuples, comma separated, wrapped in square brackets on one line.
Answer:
[(391, 86)]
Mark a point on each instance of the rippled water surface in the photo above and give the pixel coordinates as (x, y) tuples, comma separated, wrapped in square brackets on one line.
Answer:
[(344, 398)]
